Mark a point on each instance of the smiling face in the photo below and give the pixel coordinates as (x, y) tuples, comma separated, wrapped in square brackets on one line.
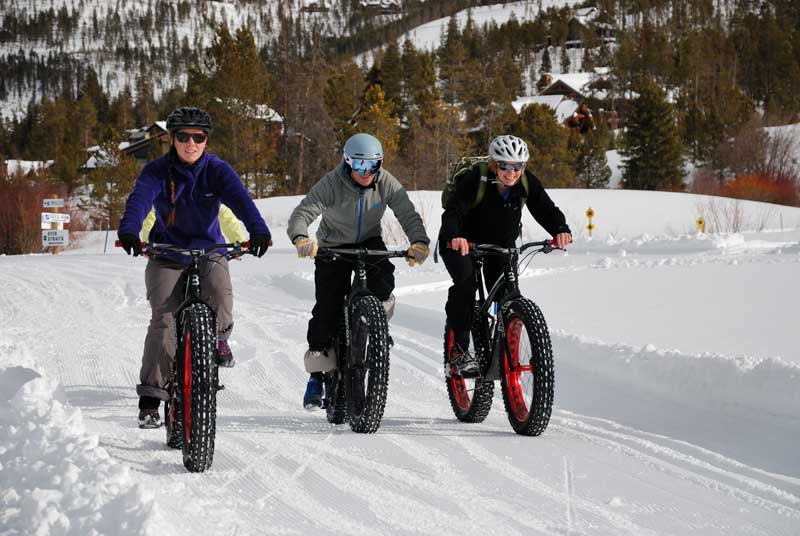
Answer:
[(363, 179), (189, 151), (509, 177)]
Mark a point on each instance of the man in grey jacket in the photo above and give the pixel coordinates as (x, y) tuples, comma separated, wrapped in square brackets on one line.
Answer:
[(352, 199)]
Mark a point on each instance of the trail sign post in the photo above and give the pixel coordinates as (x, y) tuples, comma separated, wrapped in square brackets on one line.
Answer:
[(590, 225), (56, 236), (701, 225), (52, 203), (54, 217)]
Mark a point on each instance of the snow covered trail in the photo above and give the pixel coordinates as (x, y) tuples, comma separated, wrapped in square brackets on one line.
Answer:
[(644, 439)]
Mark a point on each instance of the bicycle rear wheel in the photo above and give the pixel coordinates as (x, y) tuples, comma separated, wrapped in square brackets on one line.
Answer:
[(335, 390), (527, 374), (197, 385), (367, 374), (471, 399)]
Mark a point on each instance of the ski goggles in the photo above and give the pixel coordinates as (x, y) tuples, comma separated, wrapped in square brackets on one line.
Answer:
[(511, 166), (184, 137), (364, 166)]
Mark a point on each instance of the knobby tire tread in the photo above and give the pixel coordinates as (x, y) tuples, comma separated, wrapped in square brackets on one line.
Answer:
[(198, 454), (335, 391), (480, 403), (541, 405), (376, 360)]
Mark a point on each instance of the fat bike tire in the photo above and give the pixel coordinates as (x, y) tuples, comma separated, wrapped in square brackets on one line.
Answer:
[(527, 370), (367, 376), (197, 384), (470, 398), (335, 389)]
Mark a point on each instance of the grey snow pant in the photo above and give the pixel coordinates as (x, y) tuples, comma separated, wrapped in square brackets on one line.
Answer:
[(165, 290)]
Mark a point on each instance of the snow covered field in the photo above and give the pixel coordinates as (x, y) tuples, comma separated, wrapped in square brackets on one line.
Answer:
[(677, 393)]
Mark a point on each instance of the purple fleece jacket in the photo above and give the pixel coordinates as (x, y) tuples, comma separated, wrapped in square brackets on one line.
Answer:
[(199, 190)]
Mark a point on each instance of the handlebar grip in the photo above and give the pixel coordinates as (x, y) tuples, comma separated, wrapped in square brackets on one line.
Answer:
[(118, 244)]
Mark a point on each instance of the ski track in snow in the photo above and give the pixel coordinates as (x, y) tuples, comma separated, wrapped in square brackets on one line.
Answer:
[(279, 467)]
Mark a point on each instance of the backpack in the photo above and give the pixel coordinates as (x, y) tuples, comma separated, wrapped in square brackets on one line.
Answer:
[(457, 169)]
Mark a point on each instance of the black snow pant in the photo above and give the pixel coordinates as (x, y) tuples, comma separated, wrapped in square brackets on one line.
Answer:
[(461, 295), (332, 283)]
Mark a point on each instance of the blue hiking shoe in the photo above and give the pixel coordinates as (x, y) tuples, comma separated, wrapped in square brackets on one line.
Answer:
[(312, 400)]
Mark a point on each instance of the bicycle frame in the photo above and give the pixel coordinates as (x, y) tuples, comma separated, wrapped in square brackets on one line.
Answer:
[(493, 326), (361, 365), (358, 257), (191, 273)]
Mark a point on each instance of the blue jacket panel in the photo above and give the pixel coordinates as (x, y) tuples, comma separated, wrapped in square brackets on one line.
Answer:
[(199, 190)]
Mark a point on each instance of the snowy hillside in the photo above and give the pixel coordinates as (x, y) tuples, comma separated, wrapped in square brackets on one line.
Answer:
[(127, 41), (676, 412)]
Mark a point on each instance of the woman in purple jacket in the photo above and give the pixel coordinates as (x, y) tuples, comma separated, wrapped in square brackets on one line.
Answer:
[(186, 187)]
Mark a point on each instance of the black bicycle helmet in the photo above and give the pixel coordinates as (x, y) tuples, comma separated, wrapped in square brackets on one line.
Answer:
[(188, 117)]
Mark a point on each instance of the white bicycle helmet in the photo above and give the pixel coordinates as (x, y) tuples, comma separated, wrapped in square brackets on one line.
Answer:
[(508, 149)]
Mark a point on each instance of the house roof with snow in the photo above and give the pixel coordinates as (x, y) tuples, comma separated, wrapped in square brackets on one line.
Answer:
[(561, 105), (585, 15), (577, 86), (23, 167)]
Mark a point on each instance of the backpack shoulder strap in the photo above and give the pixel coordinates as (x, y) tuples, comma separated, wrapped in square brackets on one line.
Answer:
[(525, 183), (483, 167)]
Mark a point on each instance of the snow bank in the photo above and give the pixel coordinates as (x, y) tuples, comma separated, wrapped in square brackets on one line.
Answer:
[(64, 483), (770, 385)]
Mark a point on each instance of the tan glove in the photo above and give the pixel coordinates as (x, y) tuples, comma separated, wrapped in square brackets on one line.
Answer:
[(306, 247), (417, 253)]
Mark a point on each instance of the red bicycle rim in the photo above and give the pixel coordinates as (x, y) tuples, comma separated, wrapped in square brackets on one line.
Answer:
[(457, 383), (516, 391), (187, 386)]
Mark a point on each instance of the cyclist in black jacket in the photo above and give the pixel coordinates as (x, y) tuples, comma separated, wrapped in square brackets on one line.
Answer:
[(496, 219)]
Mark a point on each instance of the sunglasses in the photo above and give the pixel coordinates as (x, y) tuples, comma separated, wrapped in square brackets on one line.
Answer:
[(364, 166), (184, 137), (509, 166)]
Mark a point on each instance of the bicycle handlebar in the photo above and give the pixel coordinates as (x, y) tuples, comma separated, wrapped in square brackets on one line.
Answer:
[(237, 249), (359, 252), (546, 246)]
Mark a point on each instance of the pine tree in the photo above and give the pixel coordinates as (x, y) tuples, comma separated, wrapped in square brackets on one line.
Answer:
[(552, 159), (377, 118), (547, 63), (112, 181), (651, 149), (145, 107), (591, 167), (344, 88), (392, 75), (452, 58), (239, 92), (433, 139), (565, 61)]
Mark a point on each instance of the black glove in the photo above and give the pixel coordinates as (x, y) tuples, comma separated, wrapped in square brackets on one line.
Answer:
[(259, 243), (131, 244)]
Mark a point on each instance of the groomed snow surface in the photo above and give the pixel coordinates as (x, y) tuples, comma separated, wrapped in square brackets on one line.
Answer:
[(677, 405)]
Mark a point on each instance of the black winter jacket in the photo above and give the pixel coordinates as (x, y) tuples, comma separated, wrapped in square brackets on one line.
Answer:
[(497, 220)]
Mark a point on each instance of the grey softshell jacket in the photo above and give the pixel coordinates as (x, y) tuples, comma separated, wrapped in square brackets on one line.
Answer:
[(351, 214)]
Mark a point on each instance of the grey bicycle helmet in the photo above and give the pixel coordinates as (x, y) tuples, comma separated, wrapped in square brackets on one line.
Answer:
[(362, 146), (188, 117), (509, 149)]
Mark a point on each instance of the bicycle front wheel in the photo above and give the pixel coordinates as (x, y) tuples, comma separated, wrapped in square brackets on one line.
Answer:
[(527, 373), (197, 387), (368, 368)]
